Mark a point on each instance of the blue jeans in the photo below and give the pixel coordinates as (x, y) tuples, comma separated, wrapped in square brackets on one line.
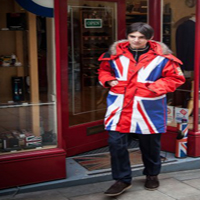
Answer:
[(120, 162)]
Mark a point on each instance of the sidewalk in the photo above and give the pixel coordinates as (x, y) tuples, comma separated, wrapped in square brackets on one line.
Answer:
[(181, 185)]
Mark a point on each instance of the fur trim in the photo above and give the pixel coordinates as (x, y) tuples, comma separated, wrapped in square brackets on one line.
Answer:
[(113, 48), (164, 48)]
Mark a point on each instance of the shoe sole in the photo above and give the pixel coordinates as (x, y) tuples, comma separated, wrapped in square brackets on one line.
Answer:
[(116, 194), (151, 189)]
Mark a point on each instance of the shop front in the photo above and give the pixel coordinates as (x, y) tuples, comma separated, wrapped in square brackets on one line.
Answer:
[(51, 104)]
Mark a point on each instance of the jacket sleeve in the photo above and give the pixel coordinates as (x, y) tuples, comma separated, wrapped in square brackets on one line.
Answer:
[(106, 73), (172, 77)]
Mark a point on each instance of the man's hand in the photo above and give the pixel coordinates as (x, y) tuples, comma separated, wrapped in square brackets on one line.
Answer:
[(112, 83)]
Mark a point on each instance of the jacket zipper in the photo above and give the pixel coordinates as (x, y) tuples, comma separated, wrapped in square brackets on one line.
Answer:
[(136, 56)]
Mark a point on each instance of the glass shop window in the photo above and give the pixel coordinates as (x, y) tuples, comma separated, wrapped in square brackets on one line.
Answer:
[(27, 79), (179, 35)]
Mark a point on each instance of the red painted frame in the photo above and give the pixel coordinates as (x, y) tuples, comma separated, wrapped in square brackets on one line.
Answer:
[(154, 19), (194, 136), (196, 67), (61, 69)]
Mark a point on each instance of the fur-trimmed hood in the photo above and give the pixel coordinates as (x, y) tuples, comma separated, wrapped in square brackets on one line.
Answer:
[(118, 48), (161, 48)]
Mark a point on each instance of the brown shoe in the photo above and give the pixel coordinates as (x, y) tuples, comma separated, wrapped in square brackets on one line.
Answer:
[(117, 188), (152, 183)]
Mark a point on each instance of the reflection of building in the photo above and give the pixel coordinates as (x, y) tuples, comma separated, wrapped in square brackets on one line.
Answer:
[(64, 105)]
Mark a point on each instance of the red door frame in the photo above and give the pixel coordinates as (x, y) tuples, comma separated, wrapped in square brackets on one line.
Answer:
[(194, 139), (74, 143), (196, 67), (60, 12), (154, 19)]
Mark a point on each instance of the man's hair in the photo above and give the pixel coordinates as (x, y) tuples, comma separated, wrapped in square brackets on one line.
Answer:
[(141, 27)]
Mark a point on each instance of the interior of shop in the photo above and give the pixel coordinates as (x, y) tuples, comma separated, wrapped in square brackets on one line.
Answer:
[(27, 92), (179, 35)]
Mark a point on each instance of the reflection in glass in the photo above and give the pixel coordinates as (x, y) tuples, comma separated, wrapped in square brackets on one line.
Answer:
[(91, 30), (136, 11), (178, 34)]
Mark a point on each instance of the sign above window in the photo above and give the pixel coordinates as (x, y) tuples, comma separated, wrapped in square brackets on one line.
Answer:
[(38, 7), (93, 23)]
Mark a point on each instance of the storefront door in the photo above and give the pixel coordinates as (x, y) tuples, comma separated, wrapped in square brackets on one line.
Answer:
[(92, 28)]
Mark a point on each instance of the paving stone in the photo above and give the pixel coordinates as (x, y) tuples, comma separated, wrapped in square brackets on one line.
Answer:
[(96, 196), (85, 189), (194, 183), (181, 175), (187, 175), (176, 189), (191, 198), (172, 187), (138, 184), (44, 195), (144, 195)]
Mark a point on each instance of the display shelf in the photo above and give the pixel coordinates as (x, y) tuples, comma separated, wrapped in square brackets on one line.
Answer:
[(12, 30), (28, 150), (23, 104), (93, 36), (167, 29), (1, 66), (135, 17), (133, 14)]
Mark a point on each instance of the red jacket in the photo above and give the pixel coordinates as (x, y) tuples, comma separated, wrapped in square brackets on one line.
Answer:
[(138, 102)]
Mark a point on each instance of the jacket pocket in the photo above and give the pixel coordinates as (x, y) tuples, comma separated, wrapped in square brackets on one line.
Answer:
[(144, 91), (118, 89)]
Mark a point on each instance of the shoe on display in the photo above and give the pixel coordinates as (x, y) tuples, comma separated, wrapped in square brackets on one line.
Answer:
[(151, 183), (117, 188)]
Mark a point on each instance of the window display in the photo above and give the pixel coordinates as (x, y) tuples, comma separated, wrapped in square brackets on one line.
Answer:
[(136, 11), (179, 24), (27, 70)]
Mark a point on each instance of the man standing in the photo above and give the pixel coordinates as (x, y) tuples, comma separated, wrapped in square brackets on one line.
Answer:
[(139, 73)]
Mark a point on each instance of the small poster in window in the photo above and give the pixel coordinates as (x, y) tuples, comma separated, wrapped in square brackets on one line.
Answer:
[(181, 113), (170, 114)]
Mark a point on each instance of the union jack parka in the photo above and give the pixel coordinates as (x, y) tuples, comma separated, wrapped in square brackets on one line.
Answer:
[(137, 104)]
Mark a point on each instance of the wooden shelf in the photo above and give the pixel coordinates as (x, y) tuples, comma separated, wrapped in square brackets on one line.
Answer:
[(33, 149), (96, 36), (11, 30), (95, 49), (131, 14), (9, 66), (23, 104)]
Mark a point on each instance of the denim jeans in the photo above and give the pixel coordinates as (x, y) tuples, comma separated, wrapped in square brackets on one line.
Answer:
[(120, 162)]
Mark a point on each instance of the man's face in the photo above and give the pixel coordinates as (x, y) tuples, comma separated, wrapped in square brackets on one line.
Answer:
[(137, 40)]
